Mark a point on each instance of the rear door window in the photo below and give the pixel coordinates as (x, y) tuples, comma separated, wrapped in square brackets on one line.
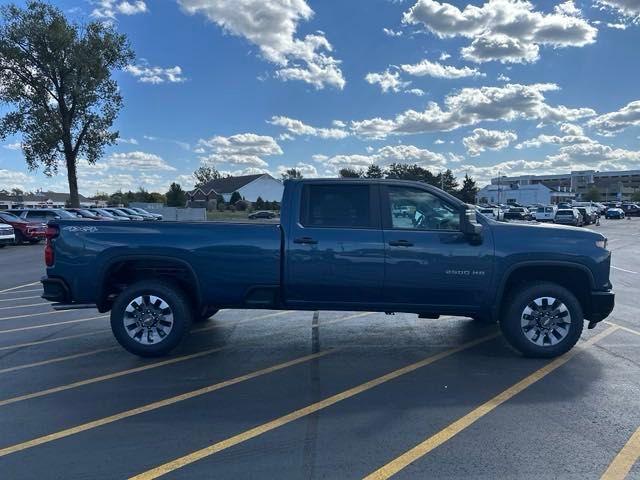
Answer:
[(336, 206)]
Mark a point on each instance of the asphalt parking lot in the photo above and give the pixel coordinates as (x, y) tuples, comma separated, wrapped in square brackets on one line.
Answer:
[(266, 394)]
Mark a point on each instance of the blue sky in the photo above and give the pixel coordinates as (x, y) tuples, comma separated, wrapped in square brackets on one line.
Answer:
[(503, 86)]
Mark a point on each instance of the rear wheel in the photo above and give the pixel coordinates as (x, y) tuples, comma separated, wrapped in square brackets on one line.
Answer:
[(542, 320), (19, 237), (150, 318)]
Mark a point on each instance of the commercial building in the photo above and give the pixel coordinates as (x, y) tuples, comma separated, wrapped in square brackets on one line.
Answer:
[(612, 186), (41, 199), (249, 187), (512, 193)]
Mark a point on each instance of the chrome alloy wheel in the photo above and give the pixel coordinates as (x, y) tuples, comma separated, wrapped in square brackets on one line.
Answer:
[(148, 319), (546, 321)]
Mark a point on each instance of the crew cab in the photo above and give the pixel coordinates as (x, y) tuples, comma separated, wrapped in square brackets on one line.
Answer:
[(338, 246)]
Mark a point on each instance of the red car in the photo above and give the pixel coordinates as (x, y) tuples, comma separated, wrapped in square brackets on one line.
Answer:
[(32, 232)]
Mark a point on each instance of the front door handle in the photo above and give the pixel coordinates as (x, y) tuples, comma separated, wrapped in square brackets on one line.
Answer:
[(305, 240), (400, 243)]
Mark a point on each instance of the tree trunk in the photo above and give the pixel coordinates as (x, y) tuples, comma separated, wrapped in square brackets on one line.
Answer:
[(72, 177)]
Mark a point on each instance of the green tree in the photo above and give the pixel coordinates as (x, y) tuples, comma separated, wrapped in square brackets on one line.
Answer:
[(176, 197), (593, 194), (57, 77), (205, 174), (235, 197), (292, 174), (259, 204), (636, 196), (404, 171), (350, 173), (447, 181), (374, 171), (469, 190)]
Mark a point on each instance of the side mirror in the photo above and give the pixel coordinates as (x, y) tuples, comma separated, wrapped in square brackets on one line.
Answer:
[(469, 223)]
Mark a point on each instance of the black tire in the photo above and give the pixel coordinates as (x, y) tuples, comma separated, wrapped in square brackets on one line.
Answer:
[(2, 246), (180, 309), (515, 311), (19, 237)]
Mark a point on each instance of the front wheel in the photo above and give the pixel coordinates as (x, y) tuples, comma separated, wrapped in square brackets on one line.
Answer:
[(150, 318), (542, 320)]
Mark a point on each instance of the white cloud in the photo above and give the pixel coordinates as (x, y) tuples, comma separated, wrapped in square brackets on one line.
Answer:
[(612, 122), (626, 8), (156, 75), (108, 9), (509, 31), (392, 33), (297, 127), (241, 149), (571, 129), (503, 78), (387, 80), (437, 70), (483, 139), (444, 56), (384, 156), (130, 141), (12, 179), (13, 146), (470, 106), (139, 161), (439, 141), (272, 26), (416, 91)]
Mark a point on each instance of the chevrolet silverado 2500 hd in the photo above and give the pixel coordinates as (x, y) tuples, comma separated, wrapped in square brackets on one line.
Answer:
[(338, 246)]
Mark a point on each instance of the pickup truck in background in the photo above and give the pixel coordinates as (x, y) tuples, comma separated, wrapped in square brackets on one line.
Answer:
[(338, 246)]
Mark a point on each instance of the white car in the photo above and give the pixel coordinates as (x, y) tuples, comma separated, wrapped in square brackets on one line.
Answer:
[(7, 235), (492, 212), (545, 214)]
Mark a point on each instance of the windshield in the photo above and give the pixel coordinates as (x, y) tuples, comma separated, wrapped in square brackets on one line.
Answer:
[(10, 217)]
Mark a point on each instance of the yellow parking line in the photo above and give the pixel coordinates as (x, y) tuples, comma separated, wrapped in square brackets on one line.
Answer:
[(303, 412), (624, 461), (626, 329), (159, 404), (47, 325), (19, 298), (18, 287), (51, 340), (33, 314), (476, 414), (239, 322), (23, 291), (57, 360), (24, 306), (109, 376), (338, 320)]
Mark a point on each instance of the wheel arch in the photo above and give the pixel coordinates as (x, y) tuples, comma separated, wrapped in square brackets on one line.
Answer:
[(126, 270)]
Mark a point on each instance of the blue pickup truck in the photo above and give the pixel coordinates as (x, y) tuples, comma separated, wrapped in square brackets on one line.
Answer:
[(338, 246)]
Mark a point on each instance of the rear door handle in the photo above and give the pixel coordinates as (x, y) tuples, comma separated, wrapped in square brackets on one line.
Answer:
[(305, 240), (400, 243)]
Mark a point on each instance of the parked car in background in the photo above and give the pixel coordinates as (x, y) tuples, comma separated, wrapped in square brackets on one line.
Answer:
[(491, 212), (157, 216), (589, 215), (631, 209), (7, 237), (402, 211), (103, 213), (84, 213), (569, 216), (120, 214), (32, 232), (130, 211), (43, 215), (545, 214), (517, 213), (614, 213), (262, 214)]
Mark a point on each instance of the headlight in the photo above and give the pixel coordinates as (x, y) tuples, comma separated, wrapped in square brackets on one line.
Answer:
[(601, 243)]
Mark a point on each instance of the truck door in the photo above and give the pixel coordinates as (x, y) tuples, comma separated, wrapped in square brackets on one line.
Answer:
[(429, 261), (335, 250)]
